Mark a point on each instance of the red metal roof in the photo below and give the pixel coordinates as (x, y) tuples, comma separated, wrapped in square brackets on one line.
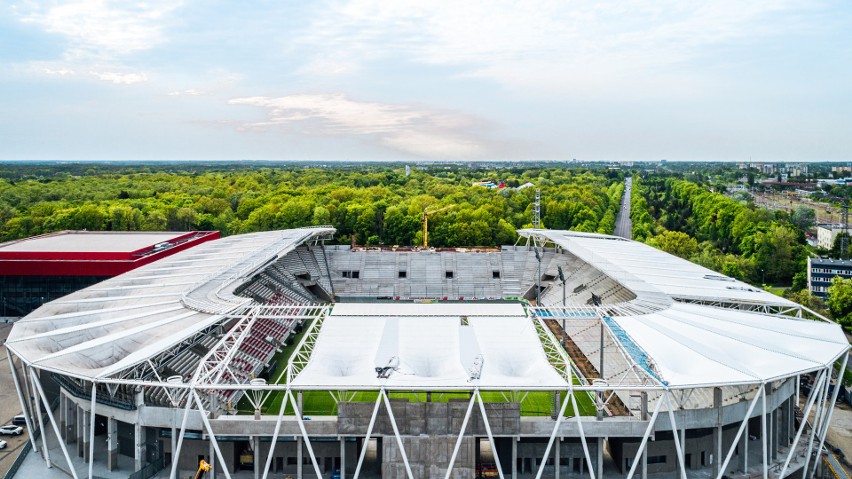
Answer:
[(93, 253)]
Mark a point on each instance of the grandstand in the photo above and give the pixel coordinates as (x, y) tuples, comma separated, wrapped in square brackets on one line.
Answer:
[(275, 353)]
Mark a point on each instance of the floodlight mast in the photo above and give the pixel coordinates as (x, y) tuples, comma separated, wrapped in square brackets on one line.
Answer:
[(538, 278), (562, 278)]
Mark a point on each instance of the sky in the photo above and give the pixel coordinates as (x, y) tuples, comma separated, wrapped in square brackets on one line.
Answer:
[(437, 80)]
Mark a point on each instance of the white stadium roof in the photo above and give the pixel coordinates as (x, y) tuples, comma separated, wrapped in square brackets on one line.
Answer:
[(114, 325), (103, 330), (429, 346)]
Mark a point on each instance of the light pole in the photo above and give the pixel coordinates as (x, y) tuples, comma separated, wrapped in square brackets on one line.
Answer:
[(763, 277), (538, 278), (562, 278)]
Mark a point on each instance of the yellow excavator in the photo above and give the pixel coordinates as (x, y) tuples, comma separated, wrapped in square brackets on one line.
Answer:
[(203, 468), (426, 214)]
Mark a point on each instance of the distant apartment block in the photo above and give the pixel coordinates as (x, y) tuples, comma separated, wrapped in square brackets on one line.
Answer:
[(827, 232), (822, 270)]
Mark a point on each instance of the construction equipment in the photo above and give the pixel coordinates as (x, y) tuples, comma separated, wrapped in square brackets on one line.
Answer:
[(426, 214), (203, 467)]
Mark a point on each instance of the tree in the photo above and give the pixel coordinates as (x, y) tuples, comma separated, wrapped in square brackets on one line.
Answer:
[(840, 301), (803, 217), (676, 243)]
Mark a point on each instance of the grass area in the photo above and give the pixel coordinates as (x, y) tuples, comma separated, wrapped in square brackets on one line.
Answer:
[(776, 290), (533, 403)]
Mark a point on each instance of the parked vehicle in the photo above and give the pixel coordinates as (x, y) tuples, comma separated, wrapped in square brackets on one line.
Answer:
[(19, 420), (11, 429), (3, 444)]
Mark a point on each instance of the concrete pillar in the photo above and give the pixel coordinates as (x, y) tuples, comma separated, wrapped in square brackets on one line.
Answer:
[(70, 430), (773, 435), (744, 451), (789, 421), (83, 434), (717, 432), (255, 445), (556, 451), (515, 457), (299, 456), (62, 413), (139, 458), (211, 453), (342, 458), (601, 441), (112, 444), (717, 453), (78, 430)]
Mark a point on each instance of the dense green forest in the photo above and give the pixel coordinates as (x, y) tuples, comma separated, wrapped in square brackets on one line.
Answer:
[(377, 204), (683, 218)]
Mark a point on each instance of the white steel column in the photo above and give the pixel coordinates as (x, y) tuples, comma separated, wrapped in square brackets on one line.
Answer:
[(549, 442), (53, 424), (298, 412), (743, 425), (678, 446), (24, 406), (461, 436), (213, 443), (92, 427), (363, 452), (807, 412), (275, 434), (40, 422), (817, 415), (398, 437), (173, 474), (831, 404), (644, 443), (763, 433), (491, 436), (582, 435)]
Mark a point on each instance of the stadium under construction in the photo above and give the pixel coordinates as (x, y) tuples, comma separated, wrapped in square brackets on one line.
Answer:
[(565, 355)]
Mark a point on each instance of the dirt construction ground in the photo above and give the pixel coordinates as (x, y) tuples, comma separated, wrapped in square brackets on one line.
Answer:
[(9, 407)]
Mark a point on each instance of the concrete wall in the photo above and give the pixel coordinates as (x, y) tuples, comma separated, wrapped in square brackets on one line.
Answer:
[(530, 452), (429, 457), (430, 418)]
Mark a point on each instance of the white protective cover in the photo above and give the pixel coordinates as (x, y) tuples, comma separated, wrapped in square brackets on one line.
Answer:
[(694, 345), (429, 347)]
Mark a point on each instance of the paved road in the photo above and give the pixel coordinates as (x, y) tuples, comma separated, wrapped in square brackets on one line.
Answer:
[(623, 225)]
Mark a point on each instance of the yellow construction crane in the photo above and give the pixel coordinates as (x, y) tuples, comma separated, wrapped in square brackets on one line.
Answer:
[(426, 214)]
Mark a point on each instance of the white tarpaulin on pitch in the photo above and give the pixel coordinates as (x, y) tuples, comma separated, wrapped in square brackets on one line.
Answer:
[(428, 346)]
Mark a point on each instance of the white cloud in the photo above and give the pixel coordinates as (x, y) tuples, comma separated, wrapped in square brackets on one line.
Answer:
[(60, 71), (419, 131), (120, 78), (103, 28), (579, 45), (189, 92)]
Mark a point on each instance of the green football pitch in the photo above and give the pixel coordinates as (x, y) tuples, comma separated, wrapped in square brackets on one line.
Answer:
[(323, 403)]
